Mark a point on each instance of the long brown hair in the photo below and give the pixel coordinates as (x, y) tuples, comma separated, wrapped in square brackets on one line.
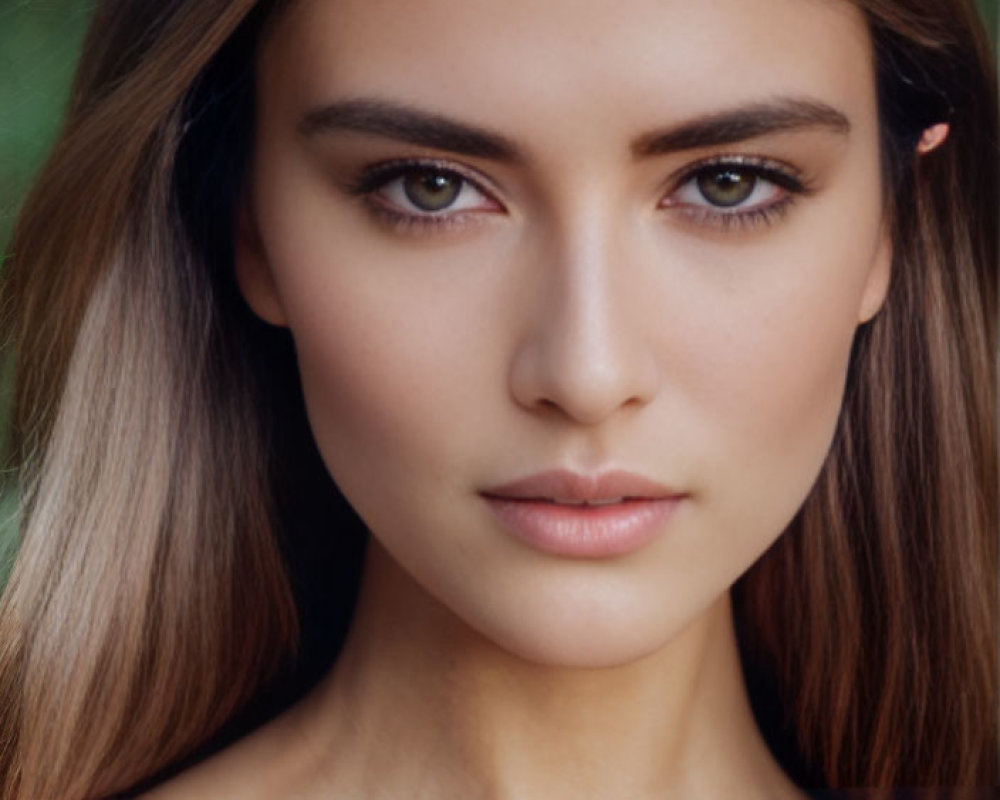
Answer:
[(161, 598)]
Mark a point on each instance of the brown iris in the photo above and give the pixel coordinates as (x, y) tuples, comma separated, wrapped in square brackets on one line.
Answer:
[(727, 186), (432, 190)]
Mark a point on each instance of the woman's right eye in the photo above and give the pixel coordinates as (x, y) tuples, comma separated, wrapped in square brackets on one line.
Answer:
[(422, 193), (431, 191)]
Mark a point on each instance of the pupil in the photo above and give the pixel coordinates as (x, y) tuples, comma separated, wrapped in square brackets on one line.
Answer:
[(726, 187), (431, 191)]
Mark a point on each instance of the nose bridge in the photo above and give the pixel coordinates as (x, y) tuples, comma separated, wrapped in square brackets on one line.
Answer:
[(583, 299), (583, 354)]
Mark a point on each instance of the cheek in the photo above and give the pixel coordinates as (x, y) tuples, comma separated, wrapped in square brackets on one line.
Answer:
[(778, 376), (766, 383), (368, 375), (364, 343), (395, 364), (365, 369)]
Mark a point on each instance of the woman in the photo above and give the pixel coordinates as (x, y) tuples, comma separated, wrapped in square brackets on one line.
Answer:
[(588, 309)]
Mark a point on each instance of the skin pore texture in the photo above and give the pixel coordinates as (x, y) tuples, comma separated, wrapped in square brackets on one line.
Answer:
[(589, 297)]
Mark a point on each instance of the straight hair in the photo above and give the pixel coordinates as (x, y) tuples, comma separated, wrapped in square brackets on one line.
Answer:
[(167, 593)]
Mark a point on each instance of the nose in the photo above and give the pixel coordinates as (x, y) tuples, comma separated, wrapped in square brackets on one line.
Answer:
[(583, 355)]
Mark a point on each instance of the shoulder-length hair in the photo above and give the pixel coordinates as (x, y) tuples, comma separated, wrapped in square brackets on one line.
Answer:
[(168, 480)]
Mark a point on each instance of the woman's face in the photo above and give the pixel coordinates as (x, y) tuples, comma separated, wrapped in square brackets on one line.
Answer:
[(557, 242)]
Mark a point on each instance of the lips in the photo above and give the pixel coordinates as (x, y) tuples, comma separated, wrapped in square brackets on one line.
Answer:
[(573, 487), (587, 516)]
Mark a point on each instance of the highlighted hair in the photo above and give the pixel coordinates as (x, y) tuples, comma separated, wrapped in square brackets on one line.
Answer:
[(152, 600)]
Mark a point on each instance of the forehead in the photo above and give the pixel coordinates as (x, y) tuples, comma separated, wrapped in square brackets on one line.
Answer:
[(588, 64)]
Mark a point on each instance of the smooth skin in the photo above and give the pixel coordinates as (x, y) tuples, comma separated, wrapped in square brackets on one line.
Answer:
[(580, 300)]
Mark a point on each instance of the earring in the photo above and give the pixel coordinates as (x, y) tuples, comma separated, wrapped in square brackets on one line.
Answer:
[(932, 137)]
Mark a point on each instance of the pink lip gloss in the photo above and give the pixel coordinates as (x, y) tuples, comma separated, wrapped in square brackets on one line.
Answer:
[(599, 531)]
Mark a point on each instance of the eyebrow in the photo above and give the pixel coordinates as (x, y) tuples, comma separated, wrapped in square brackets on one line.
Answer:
[(745, 122), (408, 124), (416, 126)]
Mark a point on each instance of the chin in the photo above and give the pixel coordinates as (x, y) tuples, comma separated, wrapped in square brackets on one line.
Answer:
[(597, 638)]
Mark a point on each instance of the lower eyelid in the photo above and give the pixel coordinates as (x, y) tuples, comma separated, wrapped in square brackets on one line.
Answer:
[(404, 222), (746, 219)]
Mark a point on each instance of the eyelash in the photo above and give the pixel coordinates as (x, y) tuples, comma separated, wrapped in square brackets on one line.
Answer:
[(376, 178), (787, 180)]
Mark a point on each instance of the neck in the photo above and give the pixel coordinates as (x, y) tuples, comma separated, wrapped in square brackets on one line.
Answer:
[(420, 704)]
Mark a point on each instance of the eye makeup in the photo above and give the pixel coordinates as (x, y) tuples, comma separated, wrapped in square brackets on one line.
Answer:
[(720, 193), (716, 192), (387, 187)]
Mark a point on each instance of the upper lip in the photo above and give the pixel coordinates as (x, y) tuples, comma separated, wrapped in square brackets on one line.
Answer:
[(561, 485)]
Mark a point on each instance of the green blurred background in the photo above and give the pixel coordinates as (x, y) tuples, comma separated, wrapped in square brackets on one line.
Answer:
[(39, 42)]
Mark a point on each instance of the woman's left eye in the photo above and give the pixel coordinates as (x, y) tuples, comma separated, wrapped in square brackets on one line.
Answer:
[(735, 192)]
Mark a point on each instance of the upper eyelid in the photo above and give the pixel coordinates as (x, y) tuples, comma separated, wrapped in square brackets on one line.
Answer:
[(480, 180), (382, 173), (761, 163)]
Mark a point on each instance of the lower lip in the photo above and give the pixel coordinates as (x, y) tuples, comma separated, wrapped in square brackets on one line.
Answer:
[(600, 531)]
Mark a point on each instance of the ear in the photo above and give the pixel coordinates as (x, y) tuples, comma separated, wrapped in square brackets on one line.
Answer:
[(877, 284), (253, 271), (932, 137)]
